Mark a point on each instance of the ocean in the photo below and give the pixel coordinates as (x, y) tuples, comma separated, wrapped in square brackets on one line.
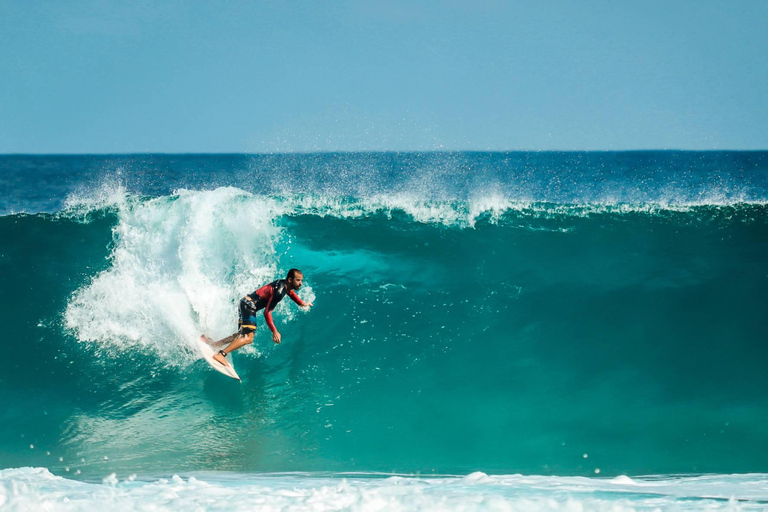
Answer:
[(490, 331)]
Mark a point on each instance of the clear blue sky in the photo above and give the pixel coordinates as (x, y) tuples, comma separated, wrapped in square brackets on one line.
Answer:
[(265, 76)]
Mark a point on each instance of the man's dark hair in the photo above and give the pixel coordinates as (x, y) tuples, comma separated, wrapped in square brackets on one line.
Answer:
[(292, 273)]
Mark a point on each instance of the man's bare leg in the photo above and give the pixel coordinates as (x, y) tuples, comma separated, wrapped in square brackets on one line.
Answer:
[(240, 341), (222, 342)]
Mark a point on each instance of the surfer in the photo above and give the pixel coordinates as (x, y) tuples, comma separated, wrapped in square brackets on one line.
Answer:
[(266, 298)]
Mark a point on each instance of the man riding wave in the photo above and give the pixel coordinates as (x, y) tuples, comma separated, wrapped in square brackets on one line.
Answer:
[(266, 298)]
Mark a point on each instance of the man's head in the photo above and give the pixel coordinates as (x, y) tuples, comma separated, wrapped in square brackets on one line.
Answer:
[(294, 278)]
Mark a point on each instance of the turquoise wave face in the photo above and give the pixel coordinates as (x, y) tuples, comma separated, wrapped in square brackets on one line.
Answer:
[(446, 337)]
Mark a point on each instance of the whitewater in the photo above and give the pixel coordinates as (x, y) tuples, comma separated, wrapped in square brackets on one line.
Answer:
[(491, 331)]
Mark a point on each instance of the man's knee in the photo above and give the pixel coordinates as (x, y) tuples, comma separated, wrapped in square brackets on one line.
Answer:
[(248, 338)]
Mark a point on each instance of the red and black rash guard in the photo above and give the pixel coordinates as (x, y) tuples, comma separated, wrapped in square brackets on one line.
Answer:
[(269, 295)]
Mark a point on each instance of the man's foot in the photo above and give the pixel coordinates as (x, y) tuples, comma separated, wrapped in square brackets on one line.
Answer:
[(219, 358), (206, 339)]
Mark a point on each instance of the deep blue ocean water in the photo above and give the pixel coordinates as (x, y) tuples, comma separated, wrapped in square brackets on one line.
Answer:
[(582, 318)]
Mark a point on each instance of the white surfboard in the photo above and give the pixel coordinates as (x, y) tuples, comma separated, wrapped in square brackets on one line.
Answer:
[(208, 351)]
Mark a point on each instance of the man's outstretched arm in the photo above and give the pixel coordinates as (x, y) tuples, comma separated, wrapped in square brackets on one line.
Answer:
[(297, 300)]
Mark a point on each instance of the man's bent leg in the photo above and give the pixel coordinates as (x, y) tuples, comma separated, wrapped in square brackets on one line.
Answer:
[(240, 341), (224, 341)]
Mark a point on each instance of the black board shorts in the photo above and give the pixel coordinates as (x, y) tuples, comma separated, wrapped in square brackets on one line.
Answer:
[(247, 322)]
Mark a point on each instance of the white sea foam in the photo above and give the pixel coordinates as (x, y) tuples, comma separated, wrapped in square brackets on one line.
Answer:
[(37, 489), (178, 268)]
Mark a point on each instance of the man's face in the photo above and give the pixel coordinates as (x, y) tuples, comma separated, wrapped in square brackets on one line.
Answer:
[(296, 281)]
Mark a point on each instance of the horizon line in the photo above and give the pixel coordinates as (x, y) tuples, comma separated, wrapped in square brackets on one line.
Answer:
[(388, 151)]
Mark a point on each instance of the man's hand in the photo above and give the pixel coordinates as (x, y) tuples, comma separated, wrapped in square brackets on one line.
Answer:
[(307, 305), (276, 337)]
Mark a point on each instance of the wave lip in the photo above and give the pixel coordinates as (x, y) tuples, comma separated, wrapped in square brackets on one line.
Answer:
[(491, 205), (491, 208), (37, 488), (48, 183)]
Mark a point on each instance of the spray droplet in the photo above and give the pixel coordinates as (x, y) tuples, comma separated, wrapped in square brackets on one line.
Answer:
[(597, 471), (586, 455), (31, 447)]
